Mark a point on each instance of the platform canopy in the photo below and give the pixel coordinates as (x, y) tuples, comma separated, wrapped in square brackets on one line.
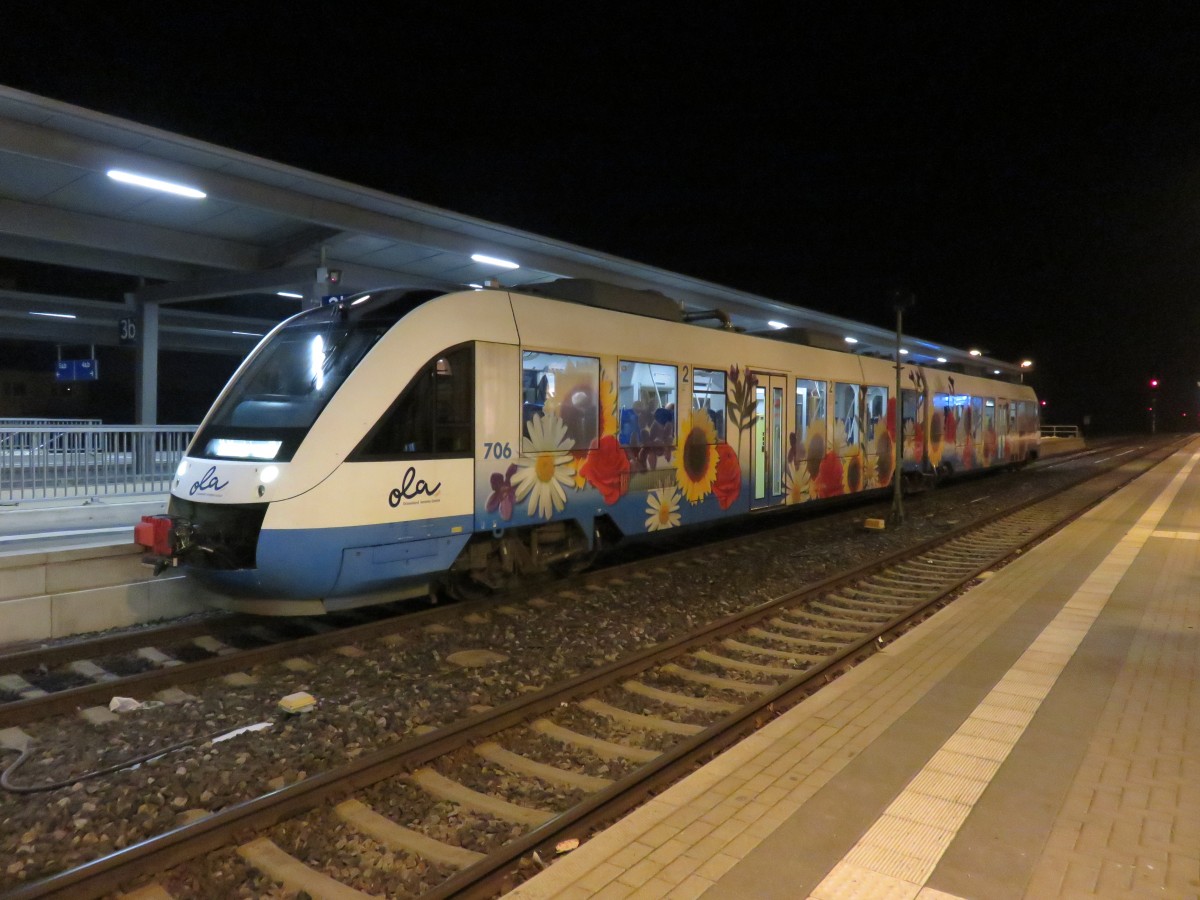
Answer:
[(263, 229)]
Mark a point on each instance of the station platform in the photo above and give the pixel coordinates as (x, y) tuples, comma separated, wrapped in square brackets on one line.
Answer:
[(69, 566), (1038, 738)]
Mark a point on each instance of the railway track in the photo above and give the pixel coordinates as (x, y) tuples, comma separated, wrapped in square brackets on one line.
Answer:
[(43, 681), (39, 682), (461, 810)]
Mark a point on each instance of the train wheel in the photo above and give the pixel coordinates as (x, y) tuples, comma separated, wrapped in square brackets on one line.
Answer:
[(462, 586), (584, 558)]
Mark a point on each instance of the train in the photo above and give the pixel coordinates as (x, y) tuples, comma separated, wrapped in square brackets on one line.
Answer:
[(402, 443)]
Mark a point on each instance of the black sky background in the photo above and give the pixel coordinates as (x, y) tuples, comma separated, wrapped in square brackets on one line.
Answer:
[(1032, 175)]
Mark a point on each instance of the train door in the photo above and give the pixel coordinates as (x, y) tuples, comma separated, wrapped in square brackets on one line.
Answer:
[(768, 445)]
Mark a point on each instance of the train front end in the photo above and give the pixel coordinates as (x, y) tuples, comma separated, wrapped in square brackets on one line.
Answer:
[(262, 508)]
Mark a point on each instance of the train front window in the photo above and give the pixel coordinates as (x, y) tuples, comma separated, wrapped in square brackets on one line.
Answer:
[(276, 399)]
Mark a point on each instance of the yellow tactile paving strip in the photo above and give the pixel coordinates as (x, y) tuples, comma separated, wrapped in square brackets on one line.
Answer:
[(681, 844)]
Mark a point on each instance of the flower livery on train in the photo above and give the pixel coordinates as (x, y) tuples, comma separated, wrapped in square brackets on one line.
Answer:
[(402, 442)]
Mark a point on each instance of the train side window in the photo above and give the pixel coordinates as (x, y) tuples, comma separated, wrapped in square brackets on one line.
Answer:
[(810, 413), (909, 416), (646, 404), (976, 419), (1001, 417), (434, 415), (845, 411), (708, 396), (989, 414), (1029, 413), (563, 387), (875, 412)]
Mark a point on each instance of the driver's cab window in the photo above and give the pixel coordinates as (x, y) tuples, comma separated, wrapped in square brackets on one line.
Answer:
[(434, 415)]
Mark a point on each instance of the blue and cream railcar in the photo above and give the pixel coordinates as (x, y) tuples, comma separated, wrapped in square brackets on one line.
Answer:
[(398, 442)]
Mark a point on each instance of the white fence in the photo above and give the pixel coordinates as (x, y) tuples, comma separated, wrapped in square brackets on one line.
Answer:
[(1060, 431), (64, 461)]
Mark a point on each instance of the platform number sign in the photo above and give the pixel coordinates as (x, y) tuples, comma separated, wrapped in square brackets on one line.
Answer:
[(127, 331)]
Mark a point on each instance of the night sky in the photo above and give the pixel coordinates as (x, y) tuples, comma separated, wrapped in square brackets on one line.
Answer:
[(1032, 176)]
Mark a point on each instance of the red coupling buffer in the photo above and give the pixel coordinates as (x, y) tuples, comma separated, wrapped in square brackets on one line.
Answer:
[(154, 533)]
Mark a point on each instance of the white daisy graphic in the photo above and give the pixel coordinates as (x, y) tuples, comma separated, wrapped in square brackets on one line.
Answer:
[(545, 466), (795, 477), (662, 508)]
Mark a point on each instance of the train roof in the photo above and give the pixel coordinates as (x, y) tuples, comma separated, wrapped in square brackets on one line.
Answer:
[(794, 325)]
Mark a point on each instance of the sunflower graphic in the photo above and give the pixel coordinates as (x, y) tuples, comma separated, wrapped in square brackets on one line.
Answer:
[(936, 436), (696, 459), (662, 508), (608, 405), (814, 453), (855, 471), (547, 465), (885, 458)]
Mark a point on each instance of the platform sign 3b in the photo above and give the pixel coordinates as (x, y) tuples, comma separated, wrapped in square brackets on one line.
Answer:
[(77, 370)]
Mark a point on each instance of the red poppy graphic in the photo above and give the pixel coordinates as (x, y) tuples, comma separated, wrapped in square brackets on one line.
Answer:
[(891, 418), (728, 483), (828, 482), (951, 428), (607, 469)]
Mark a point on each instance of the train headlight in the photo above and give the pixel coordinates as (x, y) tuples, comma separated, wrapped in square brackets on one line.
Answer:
[(181, 470), (269, 474)]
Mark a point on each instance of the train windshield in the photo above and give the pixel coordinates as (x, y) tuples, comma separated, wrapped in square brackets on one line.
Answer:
[(275, 400)]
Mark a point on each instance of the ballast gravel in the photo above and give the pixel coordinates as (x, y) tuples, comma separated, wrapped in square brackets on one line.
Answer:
[(407, 683)]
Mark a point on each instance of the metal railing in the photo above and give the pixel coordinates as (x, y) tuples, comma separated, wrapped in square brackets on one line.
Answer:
[(47, 423), (71, 461), (1060, 431)]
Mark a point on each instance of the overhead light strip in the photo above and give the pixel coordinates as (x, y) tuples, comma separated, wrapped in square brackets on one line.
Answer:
[(494, 261), (156, 184)]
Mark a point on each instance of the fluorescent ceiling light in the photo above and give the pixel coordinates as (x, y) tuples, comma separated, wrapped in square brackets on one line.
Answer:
[(156, 184), (1026, 363), (851, 340), (975, 352), (903, 352), (941, 359), (777, 325), (247, 333), (54, 315), (363, 299), (478, 287), (493, 261), (995, 371), (290, 294)]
